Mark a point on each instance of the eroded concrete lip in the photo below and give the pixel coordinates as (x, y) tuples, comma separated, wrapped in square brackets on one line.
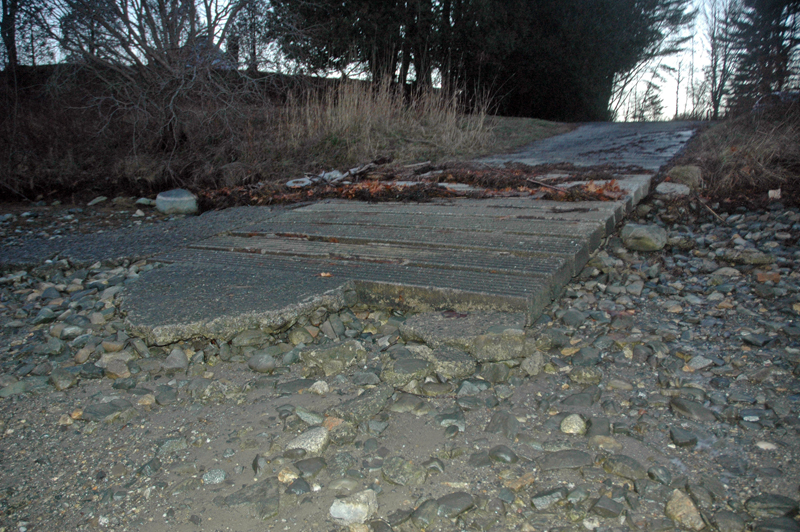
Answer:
[(190, 299)]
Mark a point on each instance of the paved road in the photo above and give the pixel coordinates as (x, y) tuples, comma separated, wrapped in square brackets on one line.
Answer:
[(646, 145)]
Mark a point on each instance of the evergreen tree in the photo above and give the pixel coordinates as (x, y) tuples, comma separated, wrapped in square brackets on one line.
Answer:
[(249, 38), (767, 38), (546, 58)]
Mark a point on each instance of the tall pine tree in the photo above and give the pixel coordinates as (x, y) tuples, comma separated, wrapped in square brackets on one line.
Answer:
[(767, 37), (545, 58)]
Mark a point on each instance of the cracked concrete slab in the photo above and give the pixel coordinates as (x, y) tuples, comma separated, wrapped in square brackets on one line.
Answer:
[(503, 254)]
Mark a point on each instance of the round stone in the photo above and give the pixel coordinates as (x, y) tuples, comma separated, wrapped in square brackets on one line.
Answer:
[(573, 424), (585, 375), (299, 487), (660, 474), (502, 454), (300, 336), (261, 363), (454, 504)]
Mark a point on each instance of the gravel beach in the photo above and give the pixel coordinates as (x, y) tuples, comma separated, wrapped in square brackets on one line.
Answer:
[(659, 393)]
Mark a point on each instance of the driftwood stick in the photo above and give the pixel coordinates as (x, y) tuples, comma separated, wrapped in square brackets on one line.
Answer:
[(717, 216), (545, 185)]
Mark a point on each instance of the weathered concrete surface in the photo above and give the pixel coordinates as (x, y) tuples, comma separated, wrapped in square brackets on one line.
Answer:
[(513, 255), (132, 243), (646, 145), (502, 254)]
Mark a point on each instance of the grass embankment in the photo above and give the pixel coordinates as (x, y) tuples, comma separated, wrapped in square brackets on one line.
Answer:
[(69, 142), (744, 158)]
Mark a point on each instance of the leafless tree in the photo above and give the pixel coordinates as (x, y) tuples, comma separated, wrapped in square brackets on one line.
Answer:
[(160, 60), (23, 29), (720, 18)]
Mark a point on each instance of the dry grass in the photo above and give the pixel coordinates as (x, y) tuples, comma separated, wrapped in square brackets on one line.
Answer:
[(234, 141), (355, 122), (751, 154), (342, 126), (509, 133)]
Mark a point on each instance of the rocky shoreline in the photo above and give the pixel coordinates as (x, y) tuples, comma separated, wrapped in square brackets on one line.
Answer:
[(659, 393)]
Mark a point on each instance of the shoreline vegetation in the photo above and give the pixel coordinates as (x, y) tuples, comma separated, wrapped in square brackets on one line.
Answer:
[(66, 132)]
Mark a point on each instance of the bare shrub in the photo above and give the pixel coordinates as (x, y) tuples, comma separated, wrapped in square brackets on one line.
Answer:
[(220, 129), (755, 152)]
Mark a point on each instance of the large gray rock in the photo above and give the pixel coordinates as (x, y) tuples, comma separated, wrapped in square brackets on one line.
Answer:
[(400, 372), (356, 508), (454, 504), (673, 190), (533, 364), (681, 509), (402, 472), (625, 467), (750, 257), (176, 362), (569, 459), (335, 359), (449, 363), (691, 409), (770, 505), (177, 201), (261, 363), (486, 336), (643, 237), (261, 498), (690, 175), (364, 406), (63, 379), (250, 338), (313, 441)]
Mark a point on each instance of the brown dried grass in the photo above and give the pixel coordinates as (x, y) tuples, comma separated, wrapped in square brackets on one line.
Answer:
[(751, 154), (61, 142)]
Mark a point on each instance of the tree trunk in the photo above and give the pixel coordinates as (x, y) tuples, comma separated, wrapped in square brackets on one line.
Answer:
[(410, 24), (445, 29), (8, 28), (422, 42)]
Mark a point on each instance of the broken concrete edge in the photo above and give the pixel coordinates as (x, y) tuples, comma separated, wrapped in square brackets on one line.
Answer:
[(225, 328), (36, 265), (637, 188), (421, 299), (416, 299)]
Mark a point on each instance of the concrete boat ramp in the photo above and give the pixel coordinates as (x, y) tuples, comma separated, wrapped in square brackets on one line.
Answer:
[(509, 255), (502, 254)]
